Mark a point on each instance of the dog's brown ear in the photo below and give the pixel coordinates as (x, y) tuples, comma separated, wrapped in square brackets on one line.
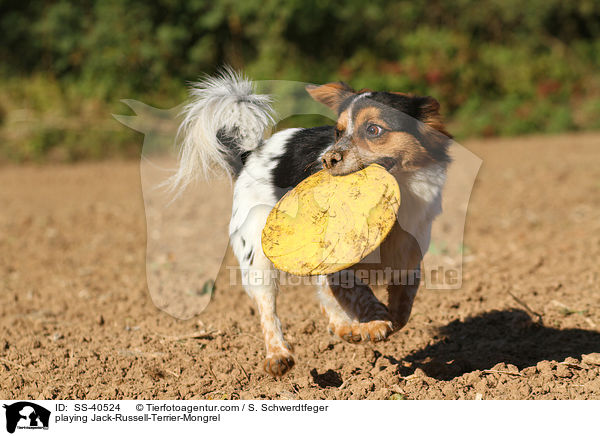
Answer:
[(330, 94), (430, 114)]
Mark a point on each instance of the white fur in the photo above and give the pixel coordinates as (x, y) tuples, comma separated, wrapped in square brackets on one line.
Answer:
[(253, 199), (421, 201), (253, 190), (350, 126), (226, 101)]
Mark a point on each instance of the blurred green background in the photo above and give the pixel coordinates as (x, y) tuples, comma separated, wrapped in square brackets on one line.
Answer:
[(497, 67)]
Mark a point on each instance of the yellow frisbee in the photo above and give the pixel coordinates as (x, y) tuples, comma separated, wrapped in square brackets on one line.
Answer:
[(328, 223)]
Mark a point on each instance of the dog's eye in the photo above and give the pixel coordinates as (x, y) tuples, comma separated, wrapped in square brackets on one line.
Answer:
[(374, 130), (338, 134)]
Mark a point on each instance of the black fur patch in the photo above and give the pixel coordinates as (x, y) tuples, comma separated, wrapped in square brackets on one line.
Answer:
[(236, 158), (410, 105), (302, 156)]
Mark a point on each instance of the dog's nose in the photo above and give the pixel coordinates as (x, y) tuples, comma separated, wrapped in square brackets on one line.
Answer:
[(331, 159)]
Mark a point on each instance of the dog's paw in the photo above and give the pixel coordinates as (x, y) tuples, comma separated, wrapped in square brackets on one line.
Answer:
[(277, 364), (357, 332)]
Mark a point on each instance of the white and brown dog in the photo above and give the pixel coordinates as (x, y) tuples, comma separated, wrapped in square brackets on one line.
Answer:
[(224, 127)]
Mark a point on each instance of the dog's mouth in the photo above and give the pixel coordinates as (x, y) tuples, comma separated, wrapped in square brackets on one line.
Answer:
[(387, 162)]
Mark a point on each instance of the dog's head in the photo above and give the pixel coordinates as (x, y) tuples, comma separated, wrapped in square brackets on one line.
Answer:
[(396, 130)]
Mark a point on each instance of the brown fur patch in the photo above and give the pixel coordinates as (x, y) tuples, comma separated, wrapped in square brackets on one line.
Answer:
[(330, 94), (342, 121), (369, 113), (407, 147), (364, 115), (404, 94)]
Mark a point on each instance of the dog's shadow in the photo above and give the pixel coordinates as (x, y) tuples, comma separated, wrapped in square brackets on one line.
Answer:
[(508, 336)]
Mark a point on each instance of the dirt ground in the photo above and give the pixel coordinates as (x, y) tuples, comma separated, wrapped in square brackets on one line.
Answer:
[(76, 319)]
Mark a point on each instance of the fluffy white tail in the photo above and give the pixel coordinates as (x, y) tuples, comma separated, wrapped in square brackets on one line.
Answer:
[(224, 119)]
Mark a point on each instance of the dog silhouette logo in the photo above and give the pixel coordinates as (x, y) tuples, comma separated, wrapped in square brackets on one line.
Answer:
[(26, 415)]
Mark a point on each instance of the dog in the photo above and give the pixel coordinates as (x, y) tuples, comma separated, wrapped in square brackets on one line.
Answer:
[(223, 129)]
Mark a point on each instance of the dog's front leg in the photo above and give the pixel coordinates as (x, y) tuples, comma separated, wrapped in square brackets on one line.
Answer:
[(403, 254), (355, 314)]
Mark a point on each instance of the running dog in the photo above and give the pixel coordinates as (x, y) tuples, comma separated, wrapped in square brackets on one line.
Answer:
[(223, 129)]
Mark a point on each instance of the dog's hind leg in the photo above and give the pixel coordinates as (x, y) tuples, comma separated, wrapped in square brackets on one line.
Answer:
[(259, 279), (279, 358), (261, 285), (355, 314)]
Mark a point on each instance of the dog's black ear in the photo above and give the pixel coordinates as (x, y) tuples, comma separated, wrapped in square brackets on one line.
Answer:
[(330, 94)]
